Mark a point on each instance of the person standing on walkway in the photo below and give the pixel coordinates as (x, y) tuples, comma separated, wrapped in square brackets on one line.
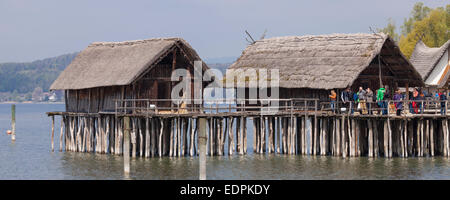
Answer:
[(386, 99), (421, 99), (333, 100), (362, 100), (443, 99), (380, 98), (369, 99), (355, 101), (415, 102), (346, 98), (398, 97)]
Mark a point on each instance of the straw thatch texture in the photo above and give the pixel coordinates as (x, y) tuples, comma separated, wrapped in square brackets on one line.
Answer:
[(425, 58), (318, 62), (116, 63)]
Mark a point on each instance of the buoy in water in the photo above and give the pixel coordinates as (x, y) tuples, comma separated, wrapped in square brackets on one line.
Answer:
[(9, 132)]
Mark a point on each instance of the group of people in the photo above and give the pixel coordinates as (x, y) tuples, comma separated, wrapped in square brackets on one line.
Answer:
[(417, 97), (364, 99)]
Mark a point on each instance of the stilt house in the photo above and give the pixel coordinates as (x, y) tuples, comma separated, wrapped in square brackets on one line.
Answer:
[(107, 71), (310, 66)]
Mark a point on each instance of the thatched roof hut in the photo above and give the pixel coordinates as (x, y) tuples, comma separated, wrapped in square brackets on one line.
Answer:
[(118, 63), (325, 61), (139, 69), (432, 63)]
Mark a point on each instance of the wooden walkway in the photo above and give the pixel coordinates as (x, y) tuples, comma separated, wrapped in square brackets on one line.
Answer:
[(293, 129)]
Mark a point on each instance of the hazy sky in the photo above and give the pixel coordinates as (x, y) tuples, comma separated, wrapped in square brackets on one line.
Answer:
[(34, 29)]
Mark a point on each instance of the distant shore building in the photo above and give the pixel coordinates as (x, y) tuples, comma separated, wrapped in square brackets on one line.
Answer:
[(109, 71), (433, 64), (310, 66)]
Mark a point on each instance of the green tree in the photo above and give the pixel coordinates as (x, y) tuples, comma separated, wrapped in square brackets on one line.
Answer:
[(418, 13), (433, 30), (430, 25), (390, 29)]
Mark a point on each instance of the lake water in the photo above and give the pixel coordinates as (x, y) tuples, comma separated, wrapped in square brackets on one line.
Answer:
[(30, 157)]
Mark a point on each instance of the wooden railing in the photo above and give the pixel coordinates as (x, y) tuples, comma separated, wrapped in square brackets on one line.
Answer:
[(135, 106), (435, 107), (293, 105)]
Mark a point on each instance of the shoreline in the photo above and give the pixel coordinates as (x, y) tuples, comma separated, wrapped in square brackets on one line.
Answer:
[(30, 102)]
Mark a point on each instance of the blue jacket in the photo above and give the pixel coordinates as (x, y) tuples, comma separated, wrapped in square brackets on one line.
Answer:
[(398, 105)]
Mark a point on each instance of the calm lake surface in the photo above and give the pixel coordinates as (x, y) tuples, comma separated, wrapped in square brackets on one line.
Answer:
[(30, 157)]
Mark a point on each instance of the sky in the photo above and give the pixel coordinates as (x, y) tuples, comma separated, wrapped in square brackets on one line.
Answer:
[(31, 30)]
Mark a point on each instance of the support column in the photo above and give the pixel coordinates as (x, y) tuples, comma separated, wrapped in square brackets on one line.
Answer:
[(13, 122), (202, 148), (126, 145)]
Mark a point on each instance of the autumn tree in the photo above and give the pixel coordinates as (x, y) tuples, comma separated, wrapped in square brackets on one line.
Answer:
[(432, 26), (433, 30)]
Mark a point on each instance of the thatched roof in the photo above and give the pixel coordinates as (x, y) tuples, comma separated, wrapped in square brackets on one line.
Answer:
[(319, 61), (425, 58), (117, 63)]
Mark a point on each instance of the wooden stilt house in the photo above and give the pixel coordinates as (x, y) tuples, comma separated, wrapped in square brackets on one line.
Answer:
[(107, 71), (310, 66)]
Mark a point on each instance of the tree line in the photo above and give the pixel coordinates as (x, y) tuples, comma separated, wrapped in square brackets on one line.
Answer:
[(431, 25)]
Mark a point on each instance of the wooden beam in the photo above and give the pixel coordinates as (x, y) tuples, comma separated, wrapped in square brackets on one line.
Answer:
[(152, 65)]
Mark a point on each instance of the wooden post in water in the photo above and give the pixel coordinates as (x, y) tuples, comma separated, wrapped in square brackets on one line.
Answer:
[(405, 138), (202, 148), (402, 146), (244, 132), (343, 138), (191, 140), (357, 137), (390, 137), (427, 138), (278, 134), (445, 139), (296, 135), (61, 134), (376, 137), (230, 136), (13, 122), (337, 134), (241, 135), (303, 136), (254, 134), (386, 140), (160, 138), (53, 132), (369, 124), (421, 137), (353, 138), (133, 137), (126, 145), (147, 137), (410, 135), (432, 138)]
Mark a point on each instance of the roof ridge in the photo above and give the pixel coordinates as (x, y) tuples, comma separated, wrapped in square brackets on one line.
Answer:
[(132, 42), (325, 35)]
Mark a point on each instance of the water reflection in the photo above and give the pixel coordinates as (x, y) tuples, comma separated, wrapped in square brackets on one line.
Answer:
[(255, 166)]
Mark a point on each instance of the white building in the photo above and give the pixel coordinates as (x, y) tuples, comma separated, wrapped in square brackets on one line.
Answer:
[(433, 64)]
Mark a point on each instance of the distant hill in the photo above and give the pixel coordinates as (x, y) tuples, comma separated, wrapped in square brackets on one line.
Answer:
[(25, 77), (220, 66), (230, 59)]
